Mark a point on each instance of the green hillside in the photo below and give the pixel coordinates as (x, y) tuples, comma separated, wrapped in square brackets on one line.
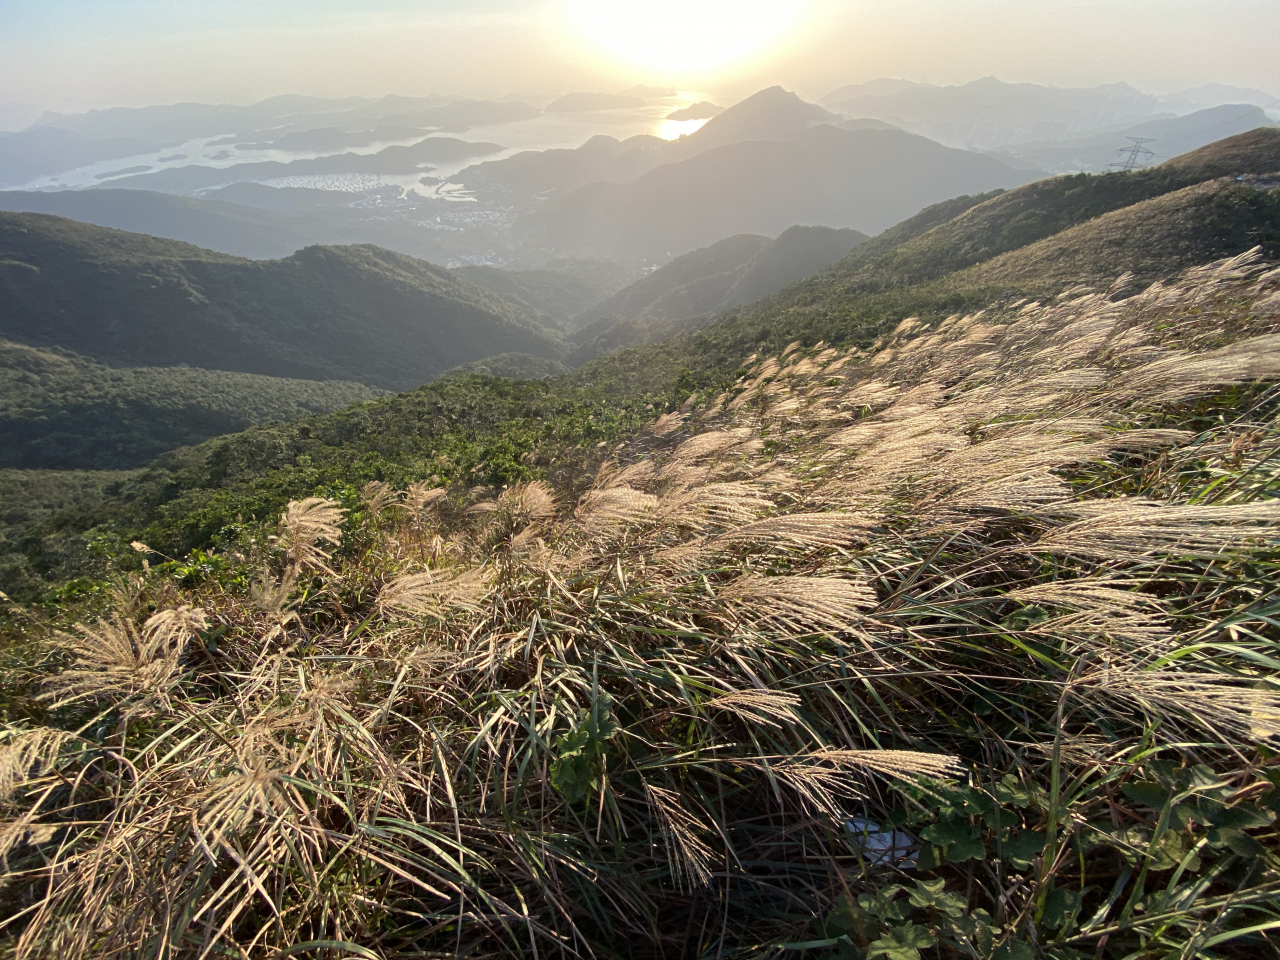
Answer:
[(481, 431), (58, 410), (326, 313)]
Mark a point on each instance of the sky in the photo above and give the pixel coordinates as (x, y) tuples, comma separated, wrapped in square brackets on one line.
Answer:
[(80, 54)]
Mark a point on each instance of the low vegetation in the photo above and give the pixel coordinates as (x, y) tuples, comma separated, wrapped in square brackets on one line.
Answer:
[(961, 646), (58, 410)]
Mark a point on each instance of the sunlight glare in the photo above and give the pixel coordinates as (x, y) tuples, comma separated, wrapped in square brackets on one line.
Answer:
[(684, 37), (675, 129)]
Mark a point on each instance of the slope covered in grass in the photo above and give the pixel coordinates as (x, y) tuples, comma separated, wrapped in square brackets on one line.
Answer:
[(1215, 217), (58, 410), (969, 230), (326, 313), (963, 647)]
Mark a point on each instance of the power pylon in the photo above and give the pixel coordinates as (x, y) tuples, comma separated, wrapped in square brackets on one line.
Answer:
[(1136, 154)]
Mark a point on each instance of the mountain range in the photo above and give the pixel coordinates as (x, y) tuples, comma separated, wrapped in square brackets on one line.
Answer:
[(763, 165), (865, 180), (989, 114), (1169, 136), (963, 254)]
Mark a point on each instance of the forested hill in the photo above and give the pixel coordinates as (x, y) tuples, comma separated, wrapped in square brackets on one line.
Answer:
[(61, 411), (356, 313), (969, 254)]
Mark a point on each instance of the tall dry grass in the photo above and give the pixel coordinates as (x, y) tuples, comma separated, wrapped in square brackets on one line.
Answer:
[(1020, 565)]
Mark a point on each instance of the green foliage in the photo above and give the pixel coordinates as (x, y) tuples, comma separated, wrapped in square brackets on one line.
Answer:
[(579, 753), (60, 411), (902, 943)]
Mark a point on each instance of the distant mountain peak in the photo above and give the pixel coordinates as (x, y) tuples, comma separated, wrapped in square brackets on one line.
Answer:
[(771, 114), (879, 87)]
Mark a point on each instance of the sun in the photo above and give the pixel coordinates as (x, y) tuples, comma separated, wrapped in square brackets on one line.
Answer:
[(683, 38)]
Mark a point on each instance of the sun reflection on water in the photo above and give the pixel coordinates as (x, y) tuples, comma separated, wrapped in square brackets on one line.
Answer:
[(675, 129)]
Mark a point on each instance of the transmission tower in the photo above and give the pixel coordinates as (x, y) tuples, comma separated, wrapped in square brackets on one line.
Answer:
[(1134, 154)]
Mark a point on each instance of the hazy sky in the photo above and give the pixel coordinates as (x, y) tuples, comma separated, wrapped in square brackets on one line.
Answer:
[(74, 54)]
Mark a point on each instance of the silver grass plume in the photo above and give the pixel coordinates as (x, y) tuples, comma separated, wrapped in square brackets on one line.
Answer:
[(599, 510), (114, 658), (21, 749), (433, 595), (796, 603), (422, 495), (709, 443), (772, 708), (1237, 711), (1129, 529), (378, 497), (688, 855), (304, 526), (530, 502), (809, 531), (719, 504), (667, 424)]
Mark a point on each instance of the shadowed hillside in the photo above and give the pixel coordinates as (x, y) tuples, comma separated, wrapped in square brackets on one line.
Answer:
[(682, 294), (557, 297), (216, 225), (351, 313)]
